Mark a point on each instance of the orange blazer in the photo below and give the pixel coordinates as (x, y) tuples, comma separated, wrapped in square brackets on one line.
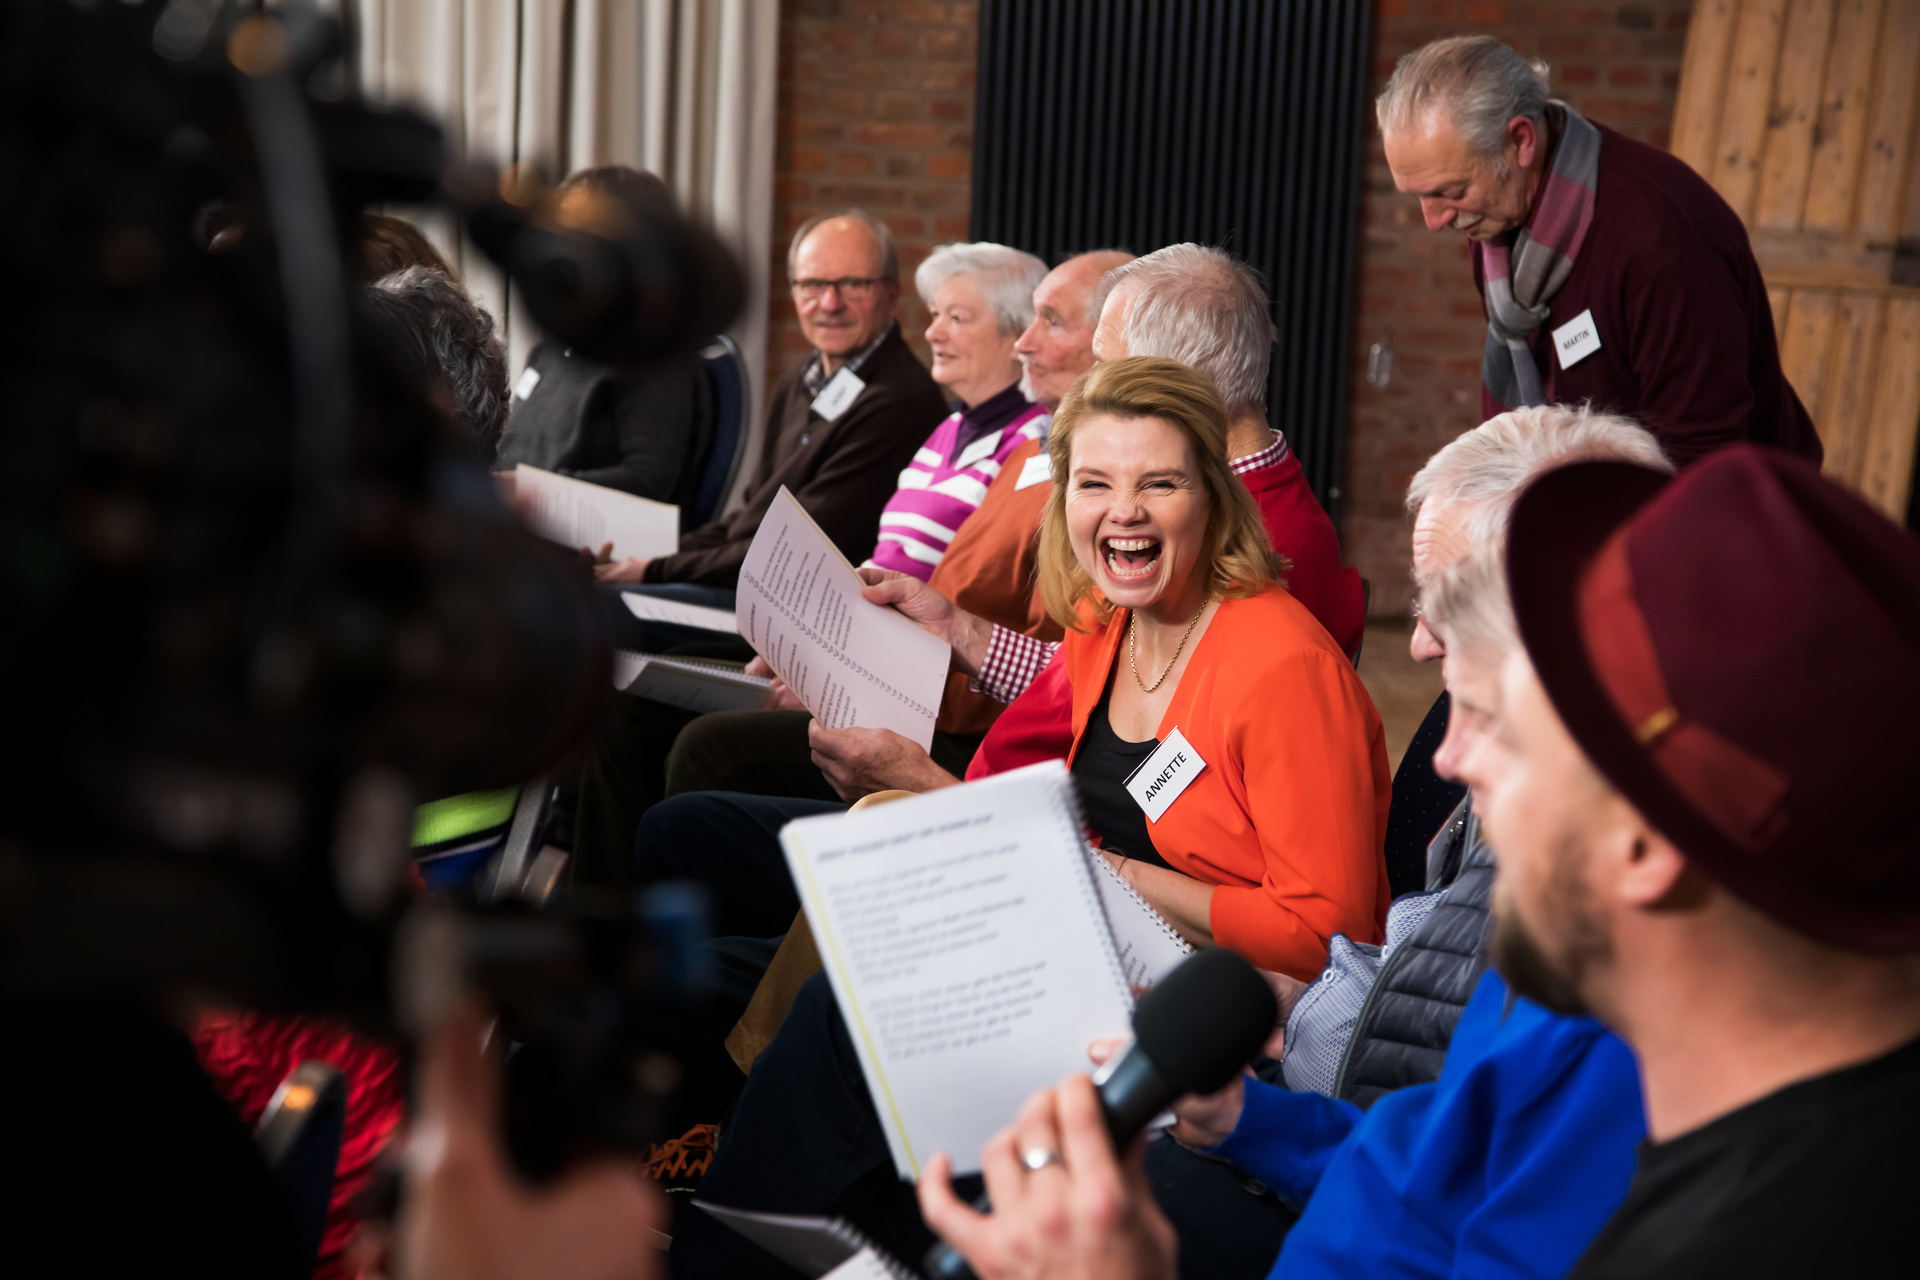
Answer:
[(1289, 817)]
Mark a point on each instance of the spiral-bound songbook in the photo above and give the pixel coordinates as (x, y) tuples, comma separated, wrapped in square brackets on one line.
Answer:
[(831, 1247), (692, 684), (1147, 946), (969, 944)]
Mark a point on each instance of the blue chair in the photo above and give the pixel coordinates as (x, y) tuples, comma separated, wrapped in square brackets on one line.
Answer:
[(727, 374)]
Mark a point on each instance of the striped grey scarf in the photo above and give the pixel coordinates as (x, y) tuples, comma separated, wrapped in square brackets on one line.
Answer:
[(1522, 278)]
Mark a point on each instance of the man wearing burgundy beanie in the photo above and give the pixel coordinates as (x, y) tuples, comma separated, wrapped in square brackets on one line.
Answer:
[(1700, 793)]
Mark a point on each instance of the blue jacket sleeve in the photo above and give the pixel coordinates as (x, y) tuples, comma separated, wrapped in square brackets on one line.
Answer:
[(1287, 1139), (1504, 1169)]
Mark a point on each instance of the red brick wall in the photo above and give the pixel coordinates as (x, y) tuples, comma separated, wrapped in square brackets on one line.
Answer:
[(876, 110), (1617, 63)]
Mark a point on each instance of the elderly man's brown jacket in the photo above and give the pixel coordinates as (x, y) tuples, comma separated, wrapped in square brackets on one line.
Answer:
[(842, 471)]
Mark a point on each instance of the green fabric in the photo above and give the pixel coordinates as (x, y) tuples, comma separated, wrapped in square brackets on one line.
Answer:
[(459, 817)]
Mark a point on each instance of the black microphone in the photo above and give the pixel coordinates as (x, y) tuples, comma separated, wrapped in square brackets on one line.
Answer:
[(1191, 1034)]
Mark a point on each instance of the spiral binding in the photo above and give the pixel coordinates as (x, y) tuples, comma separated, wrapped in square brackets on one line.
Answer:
[(1068, 800), (1160, 921)]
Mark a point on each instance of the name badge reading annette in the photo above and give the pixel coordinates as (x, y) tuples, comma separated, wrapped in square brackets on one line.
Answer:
[(1037, 470), (842, 389), (1576, 339), (1161, 778), (529, 379)]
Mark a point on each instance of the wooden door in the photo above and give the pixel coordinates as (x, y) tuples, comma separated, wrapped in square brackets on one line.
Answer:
[(1803, 114)]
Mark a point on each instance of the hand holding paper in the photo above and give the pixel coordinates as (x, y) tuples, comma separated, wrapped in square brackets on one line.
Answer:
[(850, 662), (574, 513), (859, 762)]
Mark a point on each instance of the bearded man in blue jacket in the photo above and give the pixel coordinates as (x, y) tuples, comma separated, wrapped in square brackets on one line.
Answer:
[(1505, 1167)]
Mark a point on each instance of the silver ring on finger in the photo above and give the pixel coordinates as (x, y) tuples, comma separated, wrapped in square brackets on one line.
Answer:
[(1038, 1158)]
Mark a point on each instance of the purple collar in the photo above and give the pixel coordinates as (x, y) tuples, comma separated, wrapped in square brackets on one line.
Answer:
[(991, 414)]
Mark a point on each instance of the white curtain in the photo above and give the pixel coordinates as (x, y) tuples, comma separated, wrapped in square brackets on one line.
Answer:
[(681, 88)]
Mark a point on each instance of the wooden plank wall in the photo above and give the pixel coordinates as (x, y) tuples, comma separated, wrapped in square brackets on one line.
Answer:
[(1802, 113)]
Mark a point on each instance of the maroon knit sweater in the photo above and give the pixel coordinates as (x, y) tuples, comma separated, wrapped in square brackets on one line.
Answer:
[(1686, 335)]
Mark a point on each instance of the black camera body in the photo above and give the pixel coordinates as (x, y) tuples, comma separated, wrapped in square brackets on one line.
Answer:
[(260, 597)]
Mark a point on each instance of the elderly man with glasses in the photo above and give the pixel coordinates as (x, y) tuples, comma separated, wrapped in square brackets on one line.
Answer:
[(840, 428)]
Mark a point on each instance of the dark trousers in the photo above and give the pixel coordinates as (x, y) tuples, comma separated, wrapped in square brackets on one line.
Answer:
[(622, 775), (804, 1138), (730, 842), (766, 753), (762, 753), (647, 751)]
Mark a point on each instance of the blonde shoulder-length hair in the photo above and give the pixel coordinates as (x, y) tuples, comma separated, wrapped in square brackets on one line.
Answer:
[(1242, 559)]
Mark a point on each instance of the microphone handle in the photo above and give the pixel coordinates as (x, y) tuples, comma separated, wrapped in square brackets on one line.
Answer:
[(1130, 1097)]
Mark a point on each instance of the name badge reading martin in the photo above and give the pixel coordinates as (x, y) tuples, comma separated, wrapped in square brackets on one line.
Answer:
[(842, 389), (1161, 778), (1036, 470), (1576, 339)]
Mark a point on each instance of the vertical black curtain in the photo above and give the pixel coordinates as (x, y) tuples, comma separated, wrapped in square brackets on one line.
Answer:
[(1140, 123)]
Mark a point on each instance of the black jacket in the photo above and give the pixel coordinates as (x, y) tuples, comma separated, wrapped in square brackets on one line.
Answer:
[(647, 432)]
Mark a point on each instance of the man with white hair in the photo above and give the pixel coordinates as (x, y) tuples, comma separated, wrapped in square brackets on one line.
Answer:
[(1186, 302), (1611, 273), (1503, 1162), (1204, 308)]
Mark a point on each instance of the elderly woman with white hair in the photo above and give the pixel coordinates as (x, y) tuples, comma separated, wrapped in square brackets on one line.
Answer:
[(981, 298)]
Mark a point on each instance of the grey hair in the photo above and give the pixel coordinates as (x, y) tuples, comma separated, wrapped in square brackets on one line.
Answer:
[(1484, 471), (1483, 84), (1204, 308), (1468, 605), (889, 252), (451, 338), (1007, 279)]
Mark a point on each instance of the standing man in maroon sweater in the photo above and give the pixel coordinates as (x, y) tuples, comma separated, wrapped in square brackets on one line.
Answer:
[(1610, 271)]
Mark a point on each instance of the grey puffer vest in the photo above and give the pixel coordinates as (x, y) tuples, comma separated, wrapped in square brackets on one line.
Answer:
[(1407, 1022)]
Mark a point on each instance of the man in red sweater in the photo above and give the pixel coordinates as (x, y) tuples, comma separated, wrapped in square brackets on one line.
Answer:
[(1609, 270), (1185, 302)]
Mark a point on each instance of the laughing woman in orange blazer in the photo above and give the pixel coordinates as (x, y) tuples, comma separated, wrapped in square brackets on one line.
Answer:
[(1193, 669)]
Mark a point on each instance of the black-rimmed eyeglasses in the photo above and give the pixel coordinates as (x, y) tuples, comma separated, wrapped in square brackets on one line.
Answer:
[(848, 287)]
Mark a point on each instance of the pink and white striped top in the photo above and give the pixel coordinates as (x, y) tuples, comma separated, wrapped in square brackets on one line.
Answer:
[(940, 489)]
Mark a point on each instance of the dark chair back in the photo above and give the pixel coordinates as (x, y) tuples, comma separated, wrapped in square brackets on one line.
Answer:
[(299, 1135), (727, 374)]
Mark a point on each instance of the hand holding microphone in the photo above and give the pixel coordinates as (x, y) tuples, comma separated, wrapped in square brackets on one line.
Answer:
[(1064, 1205)]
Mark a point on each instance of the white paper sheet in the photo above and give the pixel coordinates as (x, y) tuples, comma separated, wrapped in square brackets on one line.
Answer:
[(966, 944), (704, 617), (574, 513), (850, 662), (1148, 946), (692, 684)]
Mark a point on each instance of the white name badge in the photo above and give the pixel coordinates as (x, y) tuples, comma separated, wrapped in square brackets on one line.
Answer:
[(841, 390), (1576, 339), (1037, 470), (529, 379), (1161, 778)]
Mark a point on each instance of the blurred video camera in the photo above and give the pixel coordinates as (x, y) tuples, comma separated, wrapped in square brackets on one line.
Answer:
[(260, 598)]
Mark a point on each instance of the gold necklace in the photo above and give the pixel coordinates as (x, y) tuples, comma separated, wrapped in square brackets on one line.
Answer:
[(1133, 646)]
